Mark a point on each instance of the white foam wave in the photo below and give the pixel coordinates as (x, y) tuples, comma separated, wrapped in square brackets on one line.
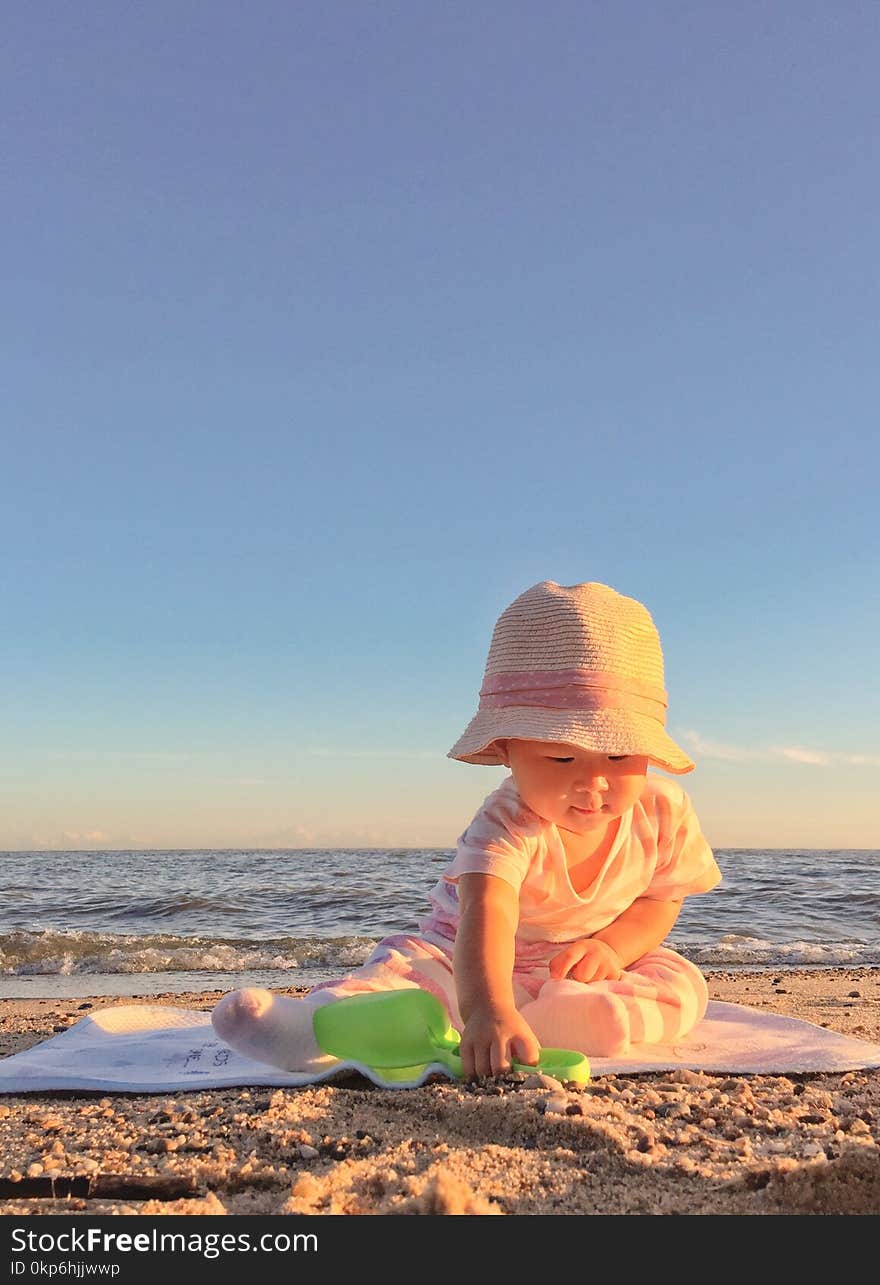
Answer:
[(735, 949), (66, 953)]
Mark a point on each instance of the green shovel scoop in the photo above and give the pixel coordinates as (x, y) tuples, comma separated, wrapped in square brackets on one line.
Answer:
[(399, 1032)]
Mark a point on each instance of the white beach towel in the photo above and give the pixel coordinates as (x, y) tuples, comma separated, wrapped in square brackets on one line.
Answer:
[(136, 1048)]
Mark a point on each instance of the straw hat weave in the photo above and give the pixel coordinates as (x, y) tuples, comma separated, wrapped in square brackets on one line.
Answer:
[(579, 664)]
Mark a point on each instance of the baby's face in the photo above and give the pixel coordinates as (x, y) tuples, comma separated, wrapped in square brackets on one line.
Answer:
[(574, 788)]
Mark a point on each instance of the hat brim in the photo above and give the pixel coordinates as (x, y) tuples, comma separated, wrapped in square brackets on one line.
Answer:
[(601, 731)]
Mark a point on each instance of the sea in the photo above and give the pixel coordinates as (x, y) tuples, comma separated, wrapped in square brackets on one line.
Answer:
[(75, 924)]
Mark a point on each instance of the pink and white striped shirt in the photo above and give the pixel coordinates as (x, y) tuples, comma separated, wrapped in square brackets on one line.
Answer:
[(659, 851)]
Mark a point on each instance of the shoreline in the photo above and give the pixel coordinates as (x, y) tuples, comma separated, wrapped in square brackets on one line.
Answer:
[(663, 1143), (125, 988)]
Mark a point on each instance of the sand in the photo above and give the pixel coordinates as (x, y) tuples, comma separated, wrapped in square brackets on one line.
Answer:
[(670, 1143)]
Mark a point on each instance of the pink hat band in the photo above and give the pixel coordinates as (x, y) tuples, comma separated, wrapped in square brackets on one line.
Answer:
[(573, 689)]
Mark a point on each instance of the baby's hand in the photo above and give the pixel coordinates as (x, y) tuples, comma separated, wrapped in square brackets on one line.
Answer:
[(587, 960), (491, 1038)]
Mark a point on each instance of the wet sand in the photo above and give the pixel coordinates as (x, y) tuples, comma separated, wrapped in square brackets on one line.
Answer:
[(666, 1143)]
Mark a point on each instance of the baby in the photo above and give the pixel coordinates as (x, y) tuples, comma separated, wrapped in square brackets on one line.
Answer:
[(547, 927)]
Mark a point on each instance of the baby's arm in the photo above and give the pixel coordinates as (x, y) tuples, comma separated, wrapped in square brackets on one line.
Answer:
[(640, 928), (494, 1031)]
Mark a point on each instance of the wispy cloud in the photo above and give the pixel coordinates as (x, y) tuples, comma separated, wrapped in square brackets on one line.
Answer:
[(287, 836), (223, 780), (799, 754), (701, 745), (709, 749), (180, 756), (300, 836), (80, 841), (322, 752), (163, 756)]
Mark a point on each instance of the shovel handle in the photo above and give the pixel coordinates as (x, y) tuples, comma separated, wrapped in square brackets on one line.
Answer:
[(561, 1064)]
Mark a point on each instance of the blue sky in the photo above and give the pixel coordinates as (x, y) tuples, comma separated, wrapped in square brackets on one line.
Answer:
[(328, 329)]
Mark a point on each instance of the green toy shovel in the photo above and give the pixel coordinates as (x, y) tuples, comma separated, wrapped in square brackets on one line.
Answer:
[(399, 1032)]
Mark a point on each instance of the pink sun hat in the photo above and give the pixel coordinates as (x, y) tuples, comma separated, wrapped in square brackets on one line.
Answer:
[(579, 664)]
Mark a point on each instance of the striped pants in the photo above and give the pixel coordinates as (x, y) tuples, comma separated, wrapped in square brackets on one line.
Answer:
[(658, 998)]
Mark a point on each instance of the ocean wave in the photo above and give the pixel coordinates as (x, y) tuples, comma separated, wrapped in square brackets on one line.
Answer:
[(67, 952), (735, 949)]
